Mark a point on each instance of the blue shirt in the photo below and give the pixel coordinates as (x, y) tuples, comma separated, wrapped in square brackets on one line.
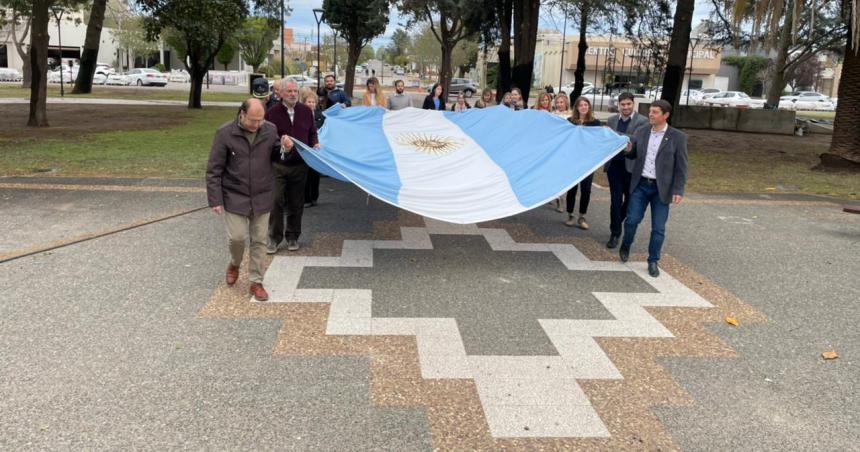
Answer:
[(436, 103)]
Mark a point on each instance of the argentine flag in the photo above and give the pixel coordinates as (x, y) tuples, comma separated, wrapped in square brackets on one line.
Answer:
[(466, 167)]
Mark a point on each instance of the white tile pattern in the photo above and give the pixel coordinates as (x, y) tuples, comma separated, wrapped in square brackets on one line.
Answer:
[(522, 396)]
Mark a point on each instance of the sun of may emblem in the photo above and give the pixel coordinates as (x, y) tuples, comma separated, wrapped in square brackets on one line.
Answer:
[(429, 143)]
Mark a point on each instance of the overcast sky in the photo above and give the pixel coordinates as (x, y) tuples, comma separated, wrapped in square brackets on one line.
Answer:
[(304, 25)]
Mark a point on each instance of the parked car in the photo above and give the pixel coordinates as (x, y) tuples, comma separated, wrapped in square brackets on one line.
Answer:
[(466, 86), (834, 101), (179, 76), (303, 80), (146, 76), (10, 75), (709, 92), (117, 79), (695, 97), (68, 76), (734, 99), (568, 88), (104, 69), (806, 100)]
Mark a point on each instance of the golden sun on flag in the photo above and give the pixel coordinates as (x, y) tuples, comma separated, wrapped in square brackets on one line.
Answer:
[(430, 143)]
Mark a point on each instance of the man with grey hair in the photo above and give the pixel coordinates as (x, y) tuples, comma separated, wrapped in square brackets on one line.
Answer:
[(239, 185), (293, 120)]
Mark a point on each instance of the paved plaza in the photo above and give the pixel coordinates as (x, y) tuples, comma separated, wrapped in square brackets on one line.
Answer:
[(389, 331)]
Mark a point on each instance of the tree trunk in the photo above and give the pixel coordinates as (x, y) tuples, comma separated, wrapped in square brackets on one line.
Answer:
[(447, 47), (678, 48), (39, 64), (197, 71), (845, 145), (353, 52), (18, 41), (503, 78), (90, 55), (526, 15), (579, 72), (777, 81)]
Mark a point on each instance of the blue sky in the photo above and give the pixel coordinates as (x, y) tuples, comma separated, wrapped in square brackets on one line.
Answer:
[(302, 20)]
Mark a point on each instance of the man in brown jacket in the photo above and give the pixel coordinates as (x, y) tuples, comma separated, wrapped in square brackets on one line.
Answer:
[(239, 184)]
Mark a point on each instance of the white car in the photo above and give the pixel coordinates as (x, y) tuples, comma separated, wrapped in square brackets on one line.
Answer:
[(302, 80), (146, 77), (709, 92), (806, 100), (68, 76), (568, 88), (10, 75), (733, 99), (695, 97), (179, 76), (104, 69), (117, 79)]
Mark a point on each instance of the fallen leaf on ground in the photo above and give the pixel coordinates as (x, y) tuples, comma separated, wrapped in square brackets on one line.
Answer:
[(830, 355), (732, 321), (770, 188)]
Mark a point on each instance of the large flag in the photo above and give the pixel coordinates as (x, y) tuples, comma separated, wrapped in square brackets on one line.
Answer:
[(468, 167)]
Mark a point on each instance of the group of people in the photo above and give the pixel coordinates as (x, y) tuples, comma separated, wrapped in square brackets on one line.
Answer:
[(257, 179)]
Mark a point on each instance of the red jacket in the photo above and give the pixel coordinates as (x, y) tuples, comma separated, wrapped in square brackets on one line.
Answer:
[(302, 128)]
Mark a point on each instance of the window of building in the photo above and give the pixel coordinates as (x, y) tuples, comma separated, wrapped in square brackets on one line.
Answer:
[(4, 56)]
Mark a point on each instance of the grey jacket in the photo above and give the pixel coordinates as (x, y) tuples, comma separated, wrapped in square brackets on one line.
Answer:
[(239, 174), (671, 163), (638, 121)]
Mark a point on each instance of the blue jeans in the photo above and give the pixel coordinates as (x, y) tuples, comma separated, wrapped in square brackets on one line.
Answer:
[(644, 194)]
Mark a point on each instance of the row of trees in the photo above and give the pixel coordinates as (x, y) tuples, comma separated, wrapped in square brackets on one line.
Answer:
[(201, 29)]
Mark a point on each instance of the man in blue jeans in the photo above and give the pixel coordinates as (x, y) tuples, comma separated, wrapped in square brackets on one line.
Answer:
[(658, 178)]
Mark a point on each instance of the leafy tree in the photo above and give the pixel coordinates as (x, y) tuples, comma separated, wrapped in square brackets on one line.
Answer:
[(199, 28), (40, 15), (359, 21), (15, 16), (398, 46), (465, 56), (228, 52), (90, 54), (676, 64), (845, 145), (424, 49), (256, 38), (448, 21), (367, 54)]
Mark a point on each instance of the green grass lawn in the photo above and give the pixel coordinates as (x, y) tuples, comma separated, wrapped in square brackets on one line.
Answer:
[(816, 114), (129, 93), (178, 150)]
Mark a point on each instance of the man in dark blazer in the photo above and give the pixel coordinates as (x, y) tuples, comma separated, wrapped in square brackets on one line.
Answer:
[(294, 120), (659, 174), (625, 122)]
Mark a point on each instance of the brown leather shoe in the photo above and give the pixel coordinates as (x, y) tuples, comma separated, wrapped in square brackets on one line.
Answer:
[(259, 292), (232, 274)]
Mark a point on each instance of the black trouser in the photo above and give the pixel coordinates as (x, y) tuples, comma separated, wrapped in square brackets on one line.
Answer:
[(586, 195), (619, 195), (312, 186), (289, 198)]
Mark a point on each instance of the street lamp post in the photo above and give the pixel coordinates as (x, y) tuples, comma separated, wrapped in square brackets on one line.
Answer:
[(334, 32), (563, 38), (693, 41), (319, 15), (283, 57), (58, 13)]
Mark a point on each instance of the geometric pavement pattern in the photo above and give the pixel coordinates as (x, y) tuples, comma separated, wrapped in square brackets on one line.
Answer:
[(523, 395), (623, 385)]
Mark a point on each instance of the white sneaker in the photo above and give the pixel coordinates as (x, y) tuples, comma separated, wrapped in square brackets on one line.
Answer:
[(292, 245), (271, 247)]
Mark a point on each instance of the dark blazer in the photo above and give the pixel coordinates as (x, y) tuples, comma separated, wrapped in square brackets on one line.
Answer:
[(428, 104), (670, 165), (302, 129), (239, 174), (637, 122)]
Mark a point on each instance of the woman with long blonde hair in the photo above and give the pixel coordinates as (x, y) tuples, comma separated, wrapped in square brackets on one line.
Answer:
[(583, 115), (373, 96), (544, 102), (561, 105)]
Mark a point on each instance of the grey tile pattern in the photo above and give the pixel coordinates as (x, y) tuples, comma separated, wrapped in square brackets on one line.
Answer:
[(530, 391)]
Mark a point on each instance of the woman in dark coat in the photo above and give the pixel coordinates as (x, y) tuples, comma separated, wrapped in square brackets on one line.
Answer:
[(434, 101)]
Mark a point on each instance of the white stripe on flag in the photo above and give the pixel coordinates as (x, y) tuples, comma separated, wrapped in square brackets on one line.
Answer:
[(456, 185)]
